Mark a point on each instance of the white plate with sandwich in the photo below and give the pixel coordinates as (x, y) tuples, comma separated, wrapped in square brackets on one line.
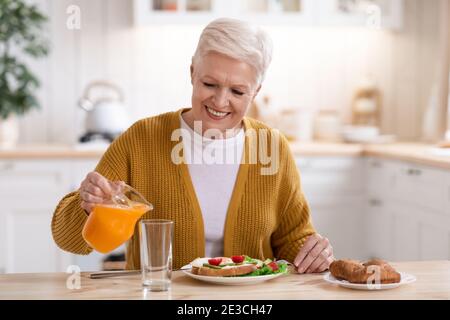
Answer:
[(237, 270)]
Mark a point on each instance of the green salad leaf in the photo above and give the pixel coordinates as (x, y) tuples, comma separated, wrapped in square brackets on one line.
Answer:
[(264, 268)]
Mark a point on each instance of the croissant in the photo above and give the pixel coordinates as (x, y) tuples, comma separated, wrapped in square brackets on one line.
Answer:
[(356, 272)]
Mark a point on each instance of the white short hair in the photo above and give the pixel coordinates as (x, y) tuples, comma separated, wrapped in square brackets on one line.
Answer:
[(238, 40)]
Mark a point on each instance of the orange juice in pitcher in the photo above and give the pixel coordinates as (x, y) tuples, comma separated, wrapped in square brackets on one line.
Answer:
[(111, 224)]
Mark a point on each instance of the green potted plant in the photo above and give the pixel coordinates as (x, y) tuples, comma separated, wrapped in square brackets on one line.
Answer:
[(21, 29)]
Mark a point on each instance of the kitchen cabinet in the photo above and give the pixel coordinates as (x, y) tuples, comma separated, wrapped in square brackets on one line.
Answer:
[(378, 14), (30, 191), (412, 203), (148, 12), (334, 189), (371, 207)]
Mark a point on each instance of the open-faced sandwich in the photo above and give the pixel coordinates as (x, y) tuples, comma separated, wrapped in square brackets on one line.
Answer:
[(236, 266)]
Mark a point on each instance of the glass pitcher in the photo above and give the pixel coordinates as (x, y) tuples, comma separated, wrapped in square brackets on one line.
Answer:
[(112, 223)]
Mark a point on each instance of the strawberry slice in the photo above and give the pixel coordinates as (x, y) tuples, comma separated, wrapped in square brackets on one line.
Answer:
[(238, 259), (273, 265), (215, 261)]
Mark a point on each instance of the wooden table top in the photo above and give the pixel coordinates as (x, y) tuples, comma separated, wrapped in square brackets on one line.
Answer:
[(433, 282)]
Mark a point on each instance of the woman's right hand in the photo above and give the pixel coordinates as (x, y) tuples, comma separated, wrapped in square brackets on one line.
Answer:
[(94, 189)]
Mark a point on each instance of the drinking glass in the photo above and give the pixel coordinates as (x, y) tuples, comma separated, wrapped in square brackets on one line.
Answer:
[(156, 237)]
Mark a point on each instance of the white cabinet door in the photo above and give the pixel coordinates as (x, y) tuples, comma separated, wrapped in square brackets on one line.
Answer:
[(434, 241), (378, 230), (422, 187), (331, 176), (380, 178), (406, 239), (333, 187), (342, 222), (29, 192), (29, 242), (27, 180), (378, 218)]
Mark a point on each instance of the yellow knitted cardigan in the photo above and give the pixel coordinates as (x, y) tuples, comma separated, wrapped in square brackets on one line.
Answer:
[(268, 216)]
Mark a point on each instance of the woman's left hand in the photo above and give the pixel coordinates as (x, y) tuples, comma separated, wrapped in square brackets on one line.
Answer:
[(316, 255)]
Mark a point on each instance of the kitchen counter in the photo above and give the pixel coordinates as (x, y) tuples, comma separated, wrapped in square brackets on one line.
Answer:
[(52, 152), (80, 151), (433, 282), (412, 152), (418, 153), (326, 149)]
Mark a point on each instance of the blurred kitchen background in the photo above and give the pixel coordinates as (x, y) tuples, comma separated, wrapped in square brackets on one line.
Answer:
[(360, 87)]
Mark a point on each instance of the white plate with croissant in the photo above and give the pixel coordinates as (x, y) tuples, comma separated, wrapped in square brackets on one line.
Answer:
[(405, 279), (375, 274)]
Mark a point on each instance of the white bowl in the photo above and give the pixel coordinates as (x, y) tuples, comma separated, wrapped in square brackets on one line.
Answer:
[(360, 133)]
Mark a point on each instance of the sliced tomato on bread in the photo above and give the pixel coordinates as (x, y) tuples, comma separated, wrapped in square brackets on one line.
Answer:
[(221, 267), (238, 259), (215, 261), (273, 265)]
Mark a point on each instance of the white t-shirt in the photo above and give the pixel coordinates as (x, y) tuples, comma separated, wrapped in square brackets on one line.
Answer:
[(213, 167)]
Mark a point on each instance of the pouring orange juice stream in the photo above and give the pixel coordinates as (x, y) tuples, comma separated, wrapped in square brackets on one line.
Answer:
[(111, 224)]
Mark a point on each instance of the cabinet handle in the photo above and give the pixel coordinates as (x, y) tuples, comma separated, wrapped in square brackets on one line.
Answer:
[(376, 164), (375, 203), (414, 172)]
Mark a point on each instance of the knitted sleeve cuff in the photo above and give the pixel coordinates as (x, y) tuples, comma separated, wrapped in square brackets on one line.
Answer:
[(67, 224)]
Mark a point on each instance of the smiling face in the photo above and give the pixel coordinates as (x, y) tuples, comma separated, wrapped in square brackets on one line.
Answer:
[(223, 89)]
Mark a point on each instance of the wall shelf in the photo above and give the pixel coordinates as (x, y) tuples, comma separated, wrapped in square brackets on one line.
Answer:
[(386, 14)]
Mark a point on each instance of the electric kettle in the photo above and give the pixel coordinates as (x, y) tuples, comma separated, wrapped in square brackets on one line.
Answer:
[(106, 115)]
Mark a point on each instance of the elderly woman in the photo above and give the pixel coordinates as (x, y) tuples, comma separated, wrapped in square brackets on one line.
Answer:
[(220, 208)]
